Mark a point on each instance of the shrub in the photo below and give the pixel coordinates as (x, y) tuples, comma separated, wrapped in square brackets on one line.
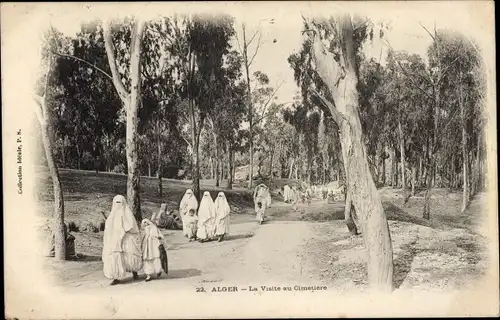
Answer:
[(72, 227)]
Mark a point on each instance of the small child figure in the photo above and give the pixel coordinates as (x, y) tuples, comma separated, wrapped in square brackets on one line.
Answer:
[(261, 211), (191, 224), (152, 247)]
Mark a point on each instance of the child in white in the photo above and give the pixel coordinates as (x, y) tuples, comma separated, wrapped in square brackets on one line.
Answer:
[(151, 240)]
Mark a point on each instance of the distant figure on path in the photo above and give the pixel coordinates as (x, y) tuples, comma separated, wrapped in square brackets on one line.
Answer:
[(262, 191), (286, 193), (152, 245), (206, 217), (262, 199), (121, 252), (188, 202), (222, 211)]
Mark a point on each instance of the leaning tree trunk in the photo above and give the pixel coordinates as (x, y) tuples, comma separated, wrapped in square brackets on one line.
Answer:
[(58, 218), (341, 80), (58, 227)]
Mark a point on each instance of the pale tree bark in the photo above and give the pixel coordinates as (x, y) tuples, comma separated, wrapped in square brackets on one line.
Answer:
[(131, 103), (231, 162), (477, 171), (247, 62), (341, 80), (290, 172), (465, 191), (158, 173), (58, 227), (402, 150)]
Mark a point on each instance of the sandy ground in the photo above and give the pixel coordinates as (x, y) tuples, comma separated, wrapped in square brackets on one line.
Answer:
[(310, 246), (289, 251)]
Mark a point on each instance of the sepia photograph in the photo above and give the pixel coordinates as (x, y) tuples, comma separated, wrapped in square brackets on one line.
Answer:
[(249, 159)]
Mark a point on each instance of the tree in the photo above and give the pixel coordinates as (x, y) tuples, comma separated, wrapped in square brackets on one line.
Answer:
[(45, 121), (337, 68), (130, 101)]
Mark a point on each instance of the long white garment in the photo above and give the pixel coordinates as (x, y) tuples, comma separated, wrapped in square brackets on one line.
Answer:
[(262, 191), (188, 202), (286, 193), (206, 217), (222, 211), (151, 240), (121, 252)]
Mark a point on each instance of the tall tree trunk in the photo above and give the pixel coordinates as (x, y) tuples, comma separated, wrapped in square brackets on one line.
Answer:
[(196, 152), (384, 180), (402, 151), (78, 157), (413, 179), (217, 161), (432, 151), (231, 164), (420, 170), (133, 182), (131, 102), (365, 196), (290, 172), (58, 227), (158, 173), (452, 172), (465, 191), (250, 107), (348, 213), (477, 171), (271, 166)]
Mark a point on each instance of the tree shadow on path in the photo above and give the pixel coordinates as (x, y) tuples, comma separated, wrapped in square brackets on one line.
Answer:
[(402, 264)]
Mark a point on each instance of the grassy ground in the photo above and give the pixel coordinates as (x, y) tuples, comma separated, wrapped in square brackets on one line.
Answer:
[(443, 253)]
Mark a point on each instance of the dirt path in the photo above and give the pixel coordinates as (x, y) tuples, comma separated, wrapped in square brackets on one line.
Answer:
[(290, 250), (272, 253)]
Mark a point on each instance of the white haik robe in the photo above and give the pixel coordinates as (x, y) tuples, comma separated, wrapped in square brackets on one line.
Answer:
[(188, 202), (121, 252), (222, 211), (206, 217)]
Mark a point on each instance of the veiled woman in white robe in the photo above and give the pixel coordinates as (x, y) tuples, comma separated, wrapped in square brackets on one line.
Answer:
[(121, 252), (188, 202), (262, 200), (286, 193), (222, 211), (206, 218), (152, 238)]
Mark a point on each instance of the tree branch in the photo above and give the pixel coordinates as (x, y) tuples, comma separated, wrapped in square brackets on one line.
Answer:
[(108, 42), (253, 36), (337, 116), (256, 51), (63, 55), (269, 100), (430, 34)]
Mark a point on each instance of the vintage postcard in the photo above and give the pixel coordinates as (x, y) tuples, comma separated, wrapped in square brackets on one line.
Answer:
[(249, 159)]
